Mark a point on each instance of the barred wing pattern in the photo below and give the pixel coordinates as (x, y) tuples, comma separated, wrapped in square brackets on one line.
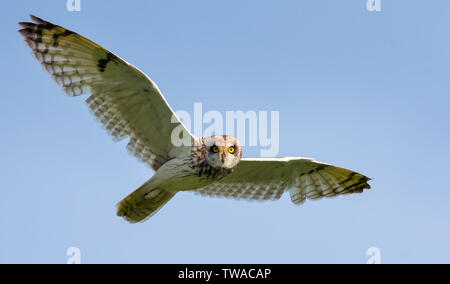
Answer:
[(268, 179), (122, 97)]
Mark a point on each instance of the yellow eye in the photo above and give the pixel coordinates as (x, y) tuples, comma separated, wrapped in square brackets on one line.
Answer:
[(231, 150), (215, 149)]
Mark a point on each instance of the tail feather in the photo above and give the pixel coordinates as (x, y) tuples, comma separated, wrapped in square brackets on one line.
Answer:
[(143, 203)]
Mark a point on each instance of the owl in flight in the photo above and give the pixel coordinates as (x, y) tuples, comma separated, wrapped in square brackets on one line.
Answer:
[(130, 105)]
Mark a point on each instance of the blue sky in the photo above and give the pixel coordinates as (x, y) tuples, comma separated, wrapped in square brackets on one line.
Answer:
[(367, 91)]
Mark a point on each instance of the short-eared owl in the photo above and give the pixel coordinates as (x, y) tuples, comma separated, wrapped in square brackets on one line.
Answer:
[(130, 105)]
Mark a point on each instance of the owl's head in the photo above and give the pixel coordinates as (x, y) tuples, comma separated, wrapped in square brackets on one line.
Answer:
[(222, 151)]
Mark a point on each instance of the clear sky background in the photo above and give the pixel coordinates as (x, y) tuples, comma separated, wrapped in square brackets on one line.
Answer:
[(367, 91)]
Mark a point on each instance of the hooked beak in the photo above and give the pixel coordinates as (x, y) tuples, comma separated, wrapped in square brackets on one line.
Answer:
[(222, 157)]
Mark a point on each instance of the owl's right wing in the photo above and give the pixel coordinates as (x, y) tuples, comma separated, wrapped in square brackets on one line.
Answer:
[(122, 97), (269, 178)]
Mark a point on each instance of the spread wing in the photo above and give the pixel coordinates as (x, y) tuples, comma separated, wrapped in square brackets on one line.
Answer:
[(269, 178), (122, 97)]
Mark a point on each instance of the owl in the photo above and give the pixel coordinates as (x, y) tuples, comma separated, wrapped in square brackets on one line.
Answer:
[(130, 106)]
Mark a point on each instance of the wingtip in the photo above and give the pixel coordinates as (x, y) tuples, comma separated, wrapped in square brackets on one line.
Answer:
[(30, 25), (37, 19), (367, 186), (24, 32)]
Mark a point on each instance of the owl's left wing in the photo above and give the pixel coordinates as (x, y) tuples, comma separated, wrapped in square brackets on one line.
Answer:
[(124, 99), (269, 178)]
